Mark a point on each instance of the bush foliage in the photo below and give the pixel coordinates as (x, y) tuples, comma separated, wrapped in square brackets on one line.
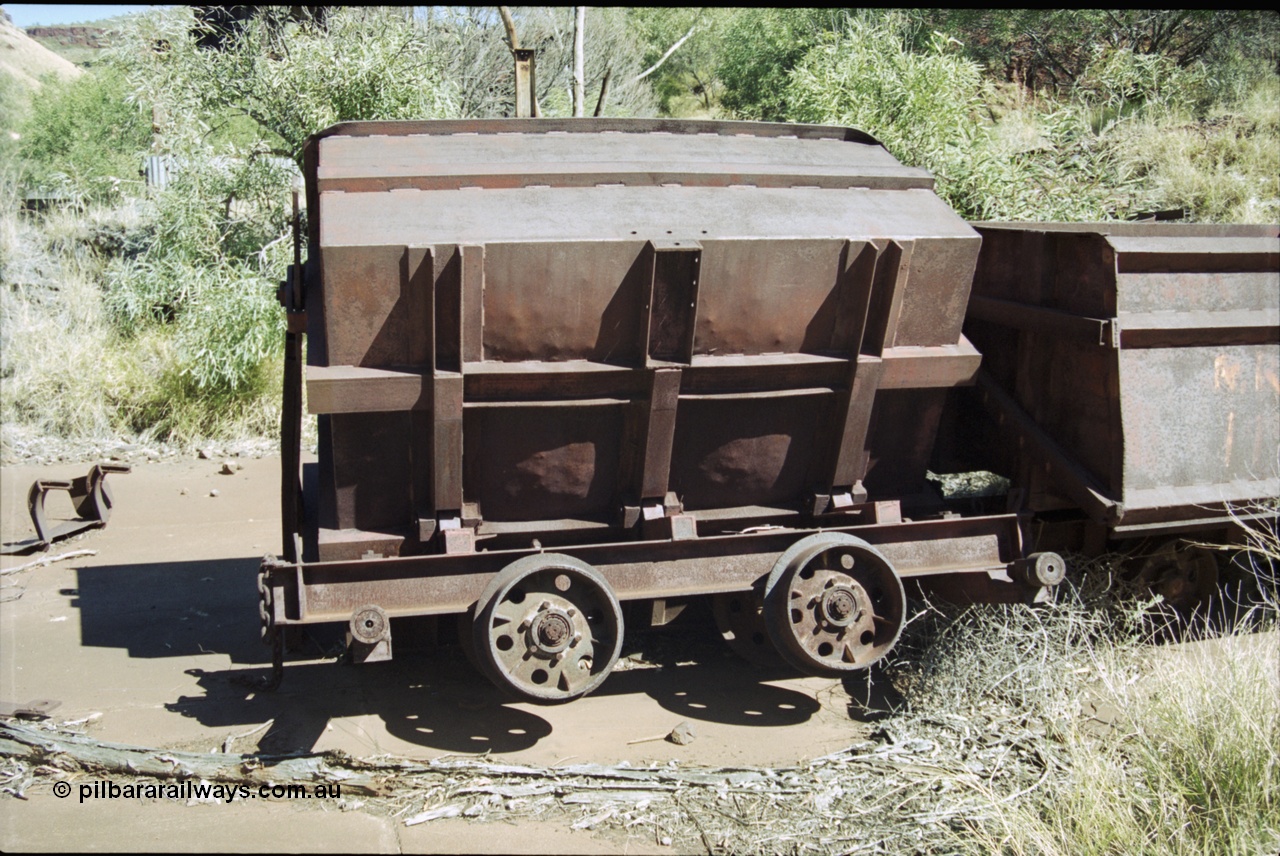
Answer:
[(1071, 115), (86, 137)]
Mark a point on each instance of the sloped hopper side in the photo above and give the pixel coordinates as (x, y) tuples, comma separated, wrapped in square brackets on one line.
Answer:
[(549, 323), (1148, 356)]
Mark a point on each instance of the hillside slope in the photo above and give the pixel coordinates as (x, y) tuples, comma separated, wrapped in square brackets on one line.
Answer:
[(26, 60)]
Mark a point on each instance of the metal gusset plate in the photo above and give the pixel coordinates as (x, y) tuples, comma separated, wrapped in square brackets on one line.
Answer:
[(833, 604), (90, 496), (548, 628)]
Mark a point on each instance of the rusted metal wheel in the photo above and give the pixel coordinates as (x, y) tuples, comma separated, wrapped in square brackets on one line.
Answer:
[(833, 604), (740, 620), (1184, 575), (548, 628), (466, 637)]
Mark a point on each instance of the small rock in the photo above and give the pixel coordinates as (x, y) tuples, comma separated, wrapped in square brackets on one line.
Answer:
[(183, 492), (682, 734), (666, 841), (202, 454), (228, 468), (213, 492)]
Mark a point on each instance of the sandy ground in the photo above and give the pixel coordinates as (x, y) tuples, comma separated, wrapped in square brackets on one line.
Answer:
[(153, 632)]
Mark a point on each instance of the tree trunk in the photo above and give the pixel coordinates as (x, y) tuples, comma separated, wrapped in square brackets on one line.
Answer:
[(579, 84), (604, 92)]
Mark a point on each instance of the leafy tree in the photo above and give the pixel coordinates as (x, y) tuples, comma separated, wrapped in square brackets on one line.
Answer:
[(1052, 48), (688, 76), (926, 107), (290, 77), (471, 43), (760, 48)]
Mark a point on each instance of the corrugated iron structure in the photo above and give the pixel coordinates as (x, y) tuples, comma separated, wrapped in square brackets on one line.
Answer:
[(568, 371)]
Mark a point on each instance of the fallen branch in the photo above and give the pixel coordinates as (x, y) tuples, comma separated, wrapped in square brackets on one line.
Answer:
[(76, 752), (49, 560), (231, 738)]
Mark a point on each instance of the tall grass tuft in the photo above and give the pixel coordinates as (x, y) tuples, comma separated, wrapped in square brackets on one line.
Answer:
[(1190, 764), (1170, 749)]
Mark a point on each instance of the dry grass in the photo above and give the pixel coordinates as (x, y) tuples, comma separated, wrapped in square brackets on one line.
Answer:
[(1224, 168), (67, 375)]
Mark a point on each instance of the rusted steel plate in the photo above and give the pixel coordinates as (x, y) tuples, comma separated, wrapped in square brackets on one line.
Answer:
[(371, 465), (684, 127), (1200, 329), (1138, 229), (1199, 416), (904, 423), (563, 300), (768, 296), (508, 335), (735, 451), (525, 463), (1168, 254), (936, 289), (438, 161), (630, 213), (908, 367), (1053, 322), (1078, 481), (350, 389)]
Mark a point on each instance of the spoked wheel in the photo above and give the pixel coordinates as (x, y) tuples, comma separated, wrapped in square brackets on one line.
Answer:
[(548, 629), (740, 620), (1184, 575), (833, 604)]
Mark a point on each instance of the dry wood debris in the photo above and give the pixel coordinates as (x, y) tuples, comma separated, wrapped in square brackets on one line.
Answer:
[(916, 784)]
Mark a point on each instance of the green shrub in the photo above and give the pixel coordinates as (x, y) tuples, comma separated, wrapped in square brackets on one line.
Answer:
[(86, 136), (918, 104), (930, 109), (290, 78), (1190, 765), (229, 328), (1223, 166), (1120, 82), (760, 49)]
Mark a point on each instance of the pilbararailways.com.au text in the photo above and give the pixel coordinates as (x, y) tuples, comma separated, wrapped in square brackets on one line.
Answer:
[(203, 791)]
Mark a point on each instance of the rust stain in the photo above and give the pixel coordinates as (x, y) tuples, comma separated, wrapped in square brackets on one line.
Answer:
[(1230, 440), (1265, 373), (1226, 372)]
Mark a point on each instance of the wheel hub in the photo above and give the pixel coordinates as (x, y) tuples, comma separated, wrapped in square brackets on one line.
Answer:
[(551, 631), (841, 605)]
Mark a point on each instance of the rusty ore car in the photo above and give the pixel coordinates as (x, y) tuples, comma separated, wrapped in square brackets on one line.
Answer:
[(571, 371)]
